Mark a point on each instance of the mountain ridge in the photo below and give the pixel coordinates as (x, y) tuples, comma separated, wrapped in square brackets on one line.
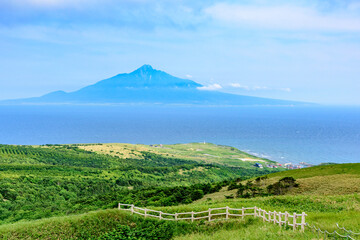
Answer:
[(147, 85)]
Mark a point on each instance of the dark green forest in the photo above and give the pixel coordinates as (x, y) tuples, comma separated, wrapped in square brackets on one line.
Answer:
[(44, 181)]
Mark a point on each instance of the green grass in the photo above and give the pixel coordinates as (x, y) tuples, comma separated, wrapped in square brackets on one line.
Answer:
[(55, 180), (337, 179), (323, 180), (94, 224), (212, 153), (249, 231), (328, 194), (200, 152), (325, 170), (48, 182), (324, 211)]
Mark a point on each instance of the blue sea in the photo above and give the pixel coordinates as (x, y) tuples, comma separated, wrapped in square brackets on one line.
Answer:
[(285, 134)]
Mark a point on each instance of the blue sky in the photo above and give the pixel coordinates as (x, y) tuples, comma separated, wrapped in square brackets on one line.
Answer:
[(298, 50)]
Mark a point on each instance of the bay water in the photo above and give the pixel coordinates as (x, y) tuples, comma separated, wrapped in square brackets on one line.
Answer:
[(314, 134)]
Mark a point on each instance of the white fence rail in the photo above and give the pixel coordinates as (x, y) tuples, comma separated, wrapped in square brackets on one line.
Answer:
[(282, 219)]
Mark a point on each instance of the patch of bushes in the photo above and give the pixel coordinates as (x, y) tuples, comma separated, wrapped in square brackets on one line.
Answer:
[(147, 230), (282, 186), (258, 187)]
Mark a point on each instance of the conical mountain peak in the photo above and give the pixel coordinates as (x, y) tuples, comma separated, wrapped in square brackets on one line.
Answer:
[(148, 85), (144, 69), (144, 77)]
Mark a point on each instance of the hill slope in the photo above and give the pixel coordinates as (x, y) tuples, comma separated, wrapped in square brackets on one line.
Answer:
[(115, 224), (205, 153), (148, 86), (323, 210), (337, 179), (44, 181), (324, 180)]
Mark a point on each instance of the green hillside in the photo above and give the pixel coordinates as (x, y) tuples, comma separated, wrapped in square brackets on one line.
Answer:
[(199, 152), (329, 194), (38, 182), (336, 179), (321, 170), (324, 180), (44, 181), (115, 224), (322, 211)]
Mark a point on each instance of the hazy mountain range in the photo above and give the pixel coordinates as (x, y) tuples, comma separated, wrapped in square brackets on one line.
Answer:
[(146, 85)]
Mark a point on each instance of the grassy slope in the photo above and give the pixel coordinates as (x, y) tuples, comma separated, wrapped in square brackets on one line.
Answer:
[(323, 210), (328, 194), (53, 180), (338, 179), (200, 152), (112, 161), (93, 224), (325, 180), (322, 170)]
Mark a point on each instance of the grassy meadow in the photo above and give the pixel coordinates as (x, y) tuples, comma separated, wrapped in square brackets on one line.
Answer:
[(200, 152), (94, 225), (322, 211), (54, 180), (71, 192)]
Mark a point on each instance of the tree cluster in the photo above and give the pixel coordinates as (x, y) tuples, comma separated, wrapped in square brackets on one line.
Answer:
[(259, 187), (38, 182)]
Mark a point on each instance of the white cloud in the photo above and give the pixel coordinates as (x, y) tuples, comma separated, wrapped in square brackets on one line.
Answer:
[(261, 88), (282, 17), (211, 87), (238, 85), (188, 76), (258, 88), (53, 3), (285, 89)]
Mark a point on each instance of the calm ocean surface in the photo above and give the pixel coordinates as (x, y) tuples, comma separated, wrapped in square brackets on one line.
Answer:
[(284, 134)]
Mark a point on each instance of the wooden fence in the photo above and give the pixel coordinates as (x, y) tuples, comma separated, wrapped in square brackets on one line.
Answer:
[(348, 234), (224, 213)]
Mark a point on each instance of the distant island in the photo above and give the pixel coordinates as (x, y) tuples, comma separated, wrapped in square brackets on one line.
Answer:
[(148, 86)]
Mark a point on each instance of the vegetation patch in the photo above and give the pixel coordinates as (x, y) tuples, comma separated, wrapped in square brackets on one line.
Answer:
[(43, 181)]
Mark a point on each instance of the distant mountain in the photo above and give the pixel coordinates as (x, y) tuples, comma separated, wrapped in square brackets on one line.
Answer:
[(147, 86)]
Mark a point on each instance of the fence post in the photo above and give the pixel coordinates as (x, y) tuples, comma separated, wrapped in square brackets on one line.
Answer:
[(303, 221), (209, 214), (318, 233), (227, 212), (269, 216), (280, 219), (242, 212), (119, 206), (176, 216), (264, 216), (132, 208), (192, 216), (255, 211), (160, 215), (145, 212), (286, 218), (294, 221), (274, 217)]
